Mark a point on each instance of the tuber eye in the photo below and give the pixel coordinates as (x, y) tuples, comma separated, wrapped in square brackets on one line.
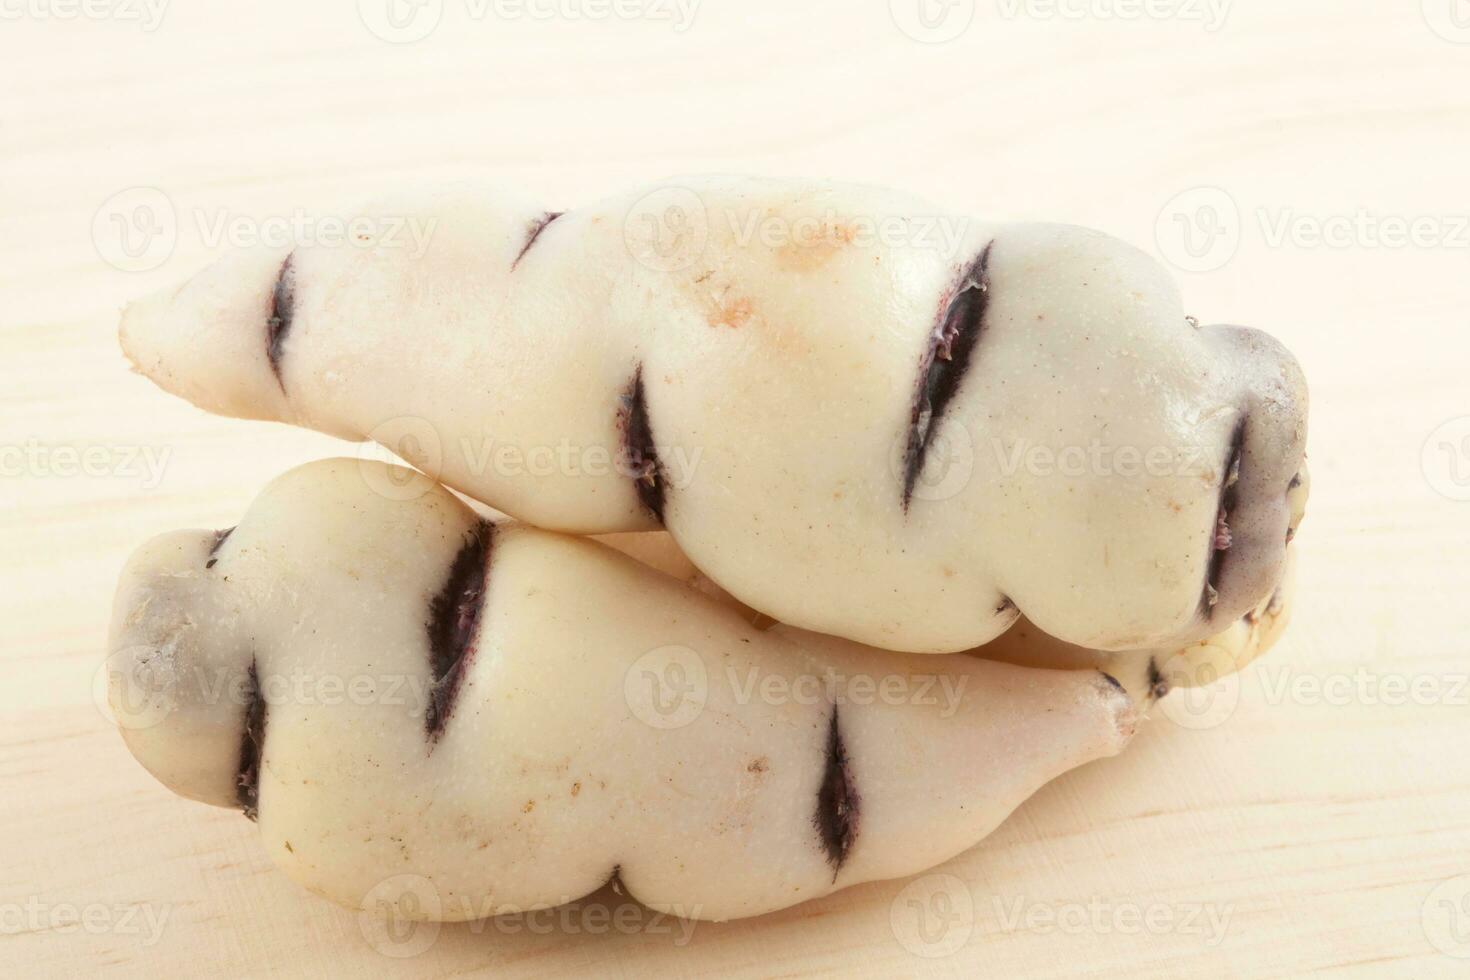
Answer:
[(638, 448), (220, 537), (534, 232), (1157, 685), (1222, 532), (837, 800), (1220, 538), (283, 310), (252, 747), (454, 620), (946, 362)]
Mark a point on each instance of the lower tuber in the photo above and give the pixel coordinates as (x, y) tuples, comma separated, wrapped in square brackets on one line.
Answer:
[(398, 688)]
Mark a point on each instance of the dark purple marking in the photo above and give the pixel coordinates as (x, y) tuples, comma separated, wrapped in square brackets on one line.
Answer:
[(946, 363), (639, 451), (252, 747), (1157, 685), (454, 620), (220, 537), (1220, 534), (534, 232), (283, 311), (837, 800)]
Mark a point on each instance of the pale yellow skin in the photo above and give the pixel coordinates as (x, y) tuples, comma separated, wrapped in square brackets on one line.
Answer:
[(1146, 674), (547, 776), (1150, 674), (1076, 477)]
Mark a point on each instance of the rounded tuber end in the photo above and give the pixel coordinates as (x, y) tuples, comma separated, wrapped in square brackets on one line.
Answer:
[(177, 685)]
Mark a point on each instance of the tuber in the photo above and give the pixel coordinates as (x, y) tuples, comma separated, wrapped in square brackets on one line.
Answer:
[(853, 423)]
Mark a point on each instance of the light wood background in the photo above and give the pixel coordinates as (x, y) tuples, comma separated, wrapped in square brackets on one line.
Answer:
[(1319, 808)]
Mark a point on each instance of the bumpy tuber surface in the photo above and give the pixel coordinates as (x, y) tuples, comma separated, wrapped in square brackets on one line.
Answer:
[(1147, 675), (398, 691), (856, 413)]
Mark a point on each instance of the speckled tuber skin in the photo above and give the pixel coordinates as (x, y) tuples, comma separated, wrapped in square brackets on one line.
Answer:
[(853, 422), (280, 662)]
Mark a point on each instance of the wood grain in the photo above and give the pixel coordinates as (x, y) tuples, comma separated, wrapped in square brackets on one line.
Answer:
[(1319, 807)]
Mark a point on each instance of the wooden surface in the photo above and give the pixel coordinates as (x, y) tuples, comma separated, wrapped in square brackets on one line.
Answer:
[(1317, 810)]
